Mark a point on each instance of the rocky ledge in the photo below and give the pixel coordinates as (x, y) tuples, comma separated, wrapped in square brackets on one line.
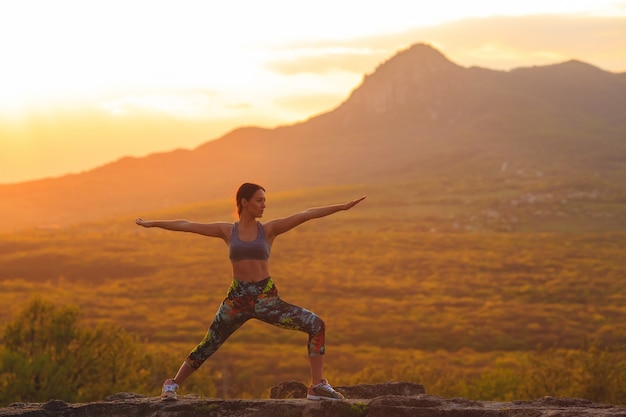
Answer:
[(391, 399)]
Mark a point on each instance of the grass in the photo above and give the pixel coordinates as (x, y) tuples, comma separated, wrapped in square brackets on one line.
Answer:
[(419, 273)]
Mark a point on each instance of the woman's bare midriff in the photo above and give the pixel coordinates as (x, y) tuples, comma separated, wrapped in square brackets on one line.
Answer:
[(251, 270)]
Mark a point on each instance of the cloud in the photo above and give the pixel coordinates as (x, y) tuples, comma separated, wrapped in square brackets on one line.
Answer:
[(309, 104), (510, 42), (496, 42), (192, 105), (318, 58)]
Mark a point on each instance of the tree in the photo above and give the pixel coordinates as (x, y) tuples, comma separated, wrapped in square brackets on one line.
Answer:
[(47, 355), (38, 353)]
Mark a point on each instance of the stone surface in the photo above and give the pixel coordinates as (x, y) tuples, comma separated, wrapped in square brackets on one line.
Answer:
[(293, 389), (394, 399)]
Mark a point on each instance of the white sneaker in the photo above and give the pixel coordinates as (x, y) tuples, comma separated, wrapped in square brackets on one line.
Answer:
[(168, 393), (323, 391)]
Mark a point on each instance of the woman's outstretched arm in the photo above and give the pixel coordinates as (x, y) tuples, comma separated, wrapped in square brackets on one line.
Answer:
[(218, 229), (277, 226)]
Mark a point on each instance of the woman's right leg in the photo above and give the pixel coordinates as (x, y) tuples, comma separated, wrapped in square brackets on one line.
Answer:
[(232, 314), (183, 373)]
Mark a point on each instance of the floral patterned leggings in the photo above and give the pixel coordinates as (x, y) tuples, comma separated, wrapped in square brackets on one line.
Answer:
[(258, 300)]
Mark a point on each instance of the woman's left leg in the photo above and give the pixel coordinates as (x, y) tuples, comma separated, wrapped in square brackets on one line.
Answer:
[(271, 309)]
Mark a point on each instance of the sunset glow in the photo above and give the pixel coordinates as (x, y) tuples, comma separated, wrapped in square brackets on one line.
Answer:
[(85, 83)]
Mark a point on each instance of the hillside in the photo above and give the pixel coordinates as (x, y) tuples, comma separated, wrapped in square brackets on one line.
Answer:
[(472, 315), (418, 118)]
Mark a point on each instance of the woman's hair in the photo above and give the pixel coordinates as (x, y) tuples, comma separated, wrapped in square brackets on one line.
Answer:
[(246, 190)]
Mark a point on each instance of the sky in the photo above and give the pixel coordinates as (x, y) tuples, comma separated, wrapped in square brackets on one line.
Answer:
[(84, 83)]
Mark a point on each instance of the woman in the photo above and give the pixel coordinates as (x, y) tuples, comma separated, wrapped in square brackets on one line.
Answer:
[(252, 293)]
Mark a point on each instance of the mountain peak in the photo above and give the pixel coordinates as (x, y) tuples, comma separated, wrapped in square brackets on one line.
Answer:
[(412, 78), (418, 57), (423, 53)]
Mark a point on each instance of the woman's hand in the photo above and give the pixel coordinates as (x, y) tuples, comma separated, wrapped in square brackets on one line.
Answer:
[(353, 203), (143, 222)]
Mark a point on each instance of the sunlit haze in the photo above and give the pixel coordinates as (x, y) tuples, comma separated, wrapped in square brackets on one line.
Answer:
[(84, 83)]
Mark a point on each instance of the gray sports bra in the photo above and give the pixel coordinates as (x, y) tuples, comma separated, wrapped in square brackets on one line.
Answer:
[(239, 249)]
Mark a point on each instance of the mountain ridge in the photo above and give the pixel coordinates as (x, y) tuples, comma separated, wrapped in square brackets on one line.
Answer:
[(416, 115)]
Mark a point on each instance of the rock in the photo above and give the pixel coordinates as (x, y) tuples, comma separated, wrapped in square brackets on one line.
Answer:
[(121, 396), (393, 399), (363, 391), (55, 405), (291, 389)]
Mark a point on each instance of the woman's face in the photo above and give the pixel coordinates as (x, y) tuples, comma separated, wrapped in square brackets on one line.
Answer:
[(256, 204)]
